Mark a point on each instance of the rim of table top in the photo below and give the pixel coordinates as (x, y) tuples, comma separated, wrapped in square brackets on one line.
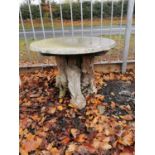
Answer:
[(72, 45)]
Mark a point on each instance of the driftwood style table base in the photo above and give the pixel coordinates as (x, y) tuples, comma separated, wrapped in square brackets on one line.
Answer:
[(76, 74), (74, 57)]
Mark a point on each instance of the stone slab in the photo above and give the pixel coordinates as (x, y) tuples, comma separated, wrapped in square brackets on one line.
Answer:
[(72, 45)]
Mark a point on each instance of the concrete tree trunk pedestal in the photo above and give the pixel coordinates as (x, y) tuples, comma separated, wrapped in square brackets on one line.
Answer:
[(75, 62), (76, 73)]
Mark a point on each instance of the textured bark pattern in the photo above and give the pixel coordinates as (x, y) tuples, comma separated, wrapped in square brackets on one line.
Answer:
[(61, 79), (78, 77), (74, 85), (88, 84)]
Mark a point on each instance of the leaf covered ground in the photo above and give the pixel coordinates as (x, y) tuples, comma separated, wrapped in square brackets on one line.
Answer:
[(51, 126)]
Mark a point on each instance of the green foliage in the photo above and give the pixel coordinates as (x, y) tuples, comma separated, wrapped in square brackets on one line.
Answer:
[(76, 10), (34, 10)]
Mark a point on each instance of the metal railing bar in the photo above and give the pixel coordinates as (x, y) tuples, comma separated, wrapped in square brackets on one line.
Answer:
[(121, 19), (51, 15), (127, 34), (77, 30), (54, 65), (71, 12), (111, 21), (27, 46), (101, 18), (42, 22), (31, 19), (81, 8), (61, 16), (91, 17)]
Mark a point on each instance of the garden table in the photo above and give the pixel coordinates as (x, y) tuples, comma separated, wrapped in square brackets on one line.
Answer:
[(74, 58)]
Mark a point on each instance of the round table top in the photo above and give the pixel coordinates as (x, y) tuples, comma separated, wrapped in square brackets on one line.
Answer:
[(72, 45)]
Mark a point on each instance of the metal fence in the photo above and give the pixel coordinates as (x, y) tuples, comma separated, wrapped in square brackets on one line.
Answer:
[(122, 32)]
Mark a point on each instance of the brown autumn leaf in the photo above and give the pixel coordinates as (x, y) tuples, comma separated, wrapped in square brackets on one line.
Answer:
[(35, 117), (126, 153), (45, 152), (108, 131), (95, 101), (60, 100), (128, 117), (65, 140), (124, 78), (34, 95), (100, 97), (111, 76), (60, 108), (81, 138), (106, 77), (99, 127), (31, 143), (106, 146), (89, 147), (23, 152), (101, 144), (113, 105), (71, 149), (94, 121), (101, 109), (74, 132), (41, 133), (51, 110), (127, 139), (54, 151), (25, 122), (125, 107)]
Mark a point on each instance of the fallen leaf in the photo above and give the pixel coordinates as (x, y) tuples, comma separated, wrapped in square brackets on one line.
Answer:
[(71, 149), (60, 100), (74, 132), (101, 109), (34, 95), (96, 143), (127, 139), (99, 127), (60, 108), (90, 148), (128, 117), (81, 138), (111, 76), (101, 144), (44, 152), (107, 132), (126, 153), (66, 140), (100, 97), (35, 117), (31, 143), (23, 152), (106, 146), (54, 151), (113, 105), (51, 110), (41, 133), (112, 94)]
